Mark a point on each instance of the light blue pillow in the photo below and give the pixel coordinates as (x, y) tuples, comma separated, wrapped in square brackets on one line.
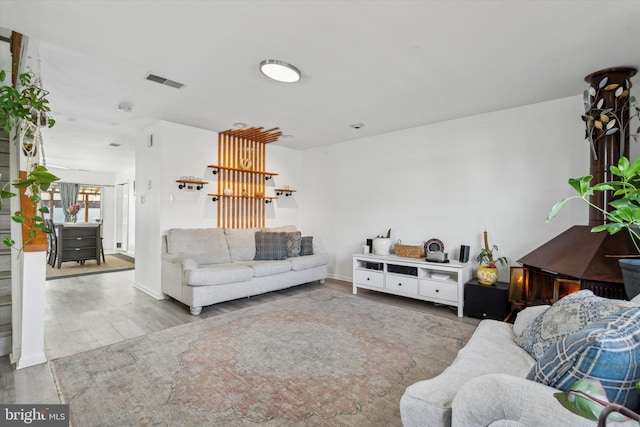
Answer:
[(567, 316), (607, 350)]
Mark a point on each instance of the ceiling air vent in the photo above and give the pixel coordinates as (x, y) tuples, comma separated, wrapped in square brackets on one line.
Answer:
[(114, 144), (164, 81)]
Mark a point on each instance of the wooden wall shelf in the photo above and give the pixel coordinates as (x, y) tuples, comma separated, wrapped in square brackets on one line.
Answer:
[(216, 197), (184, 184), (287, 192), (268, 175)]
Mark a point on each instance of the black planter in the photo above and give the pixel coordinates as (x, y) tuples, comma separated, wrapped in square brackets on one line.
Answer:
[(631, 276)]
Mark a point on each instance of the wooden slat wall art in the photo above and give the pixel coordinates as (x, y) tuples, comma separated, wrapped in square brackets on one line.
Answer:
[(243, 152)]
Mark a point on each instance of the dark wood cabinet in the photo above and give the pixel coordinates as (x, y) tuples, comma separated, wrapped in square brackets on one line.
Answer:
[(78, 242), (486, 302)]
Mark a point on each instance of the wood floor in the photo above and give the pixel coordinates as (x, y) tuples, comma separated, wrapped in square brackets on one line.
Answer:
[(87, 312)]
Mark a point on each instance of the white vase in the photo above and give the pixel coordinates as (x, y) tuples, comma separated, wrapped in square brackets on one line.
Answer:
[(381, 245)]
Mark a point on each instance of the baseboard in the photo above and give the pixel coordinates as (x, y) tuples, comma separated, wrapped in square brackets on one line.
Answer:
[(35, 359), (340, 278), (148, 291)]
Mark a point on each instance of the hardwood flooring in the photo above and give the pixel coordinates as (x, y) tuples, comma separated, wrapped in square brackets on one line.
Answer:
[(87, 312)]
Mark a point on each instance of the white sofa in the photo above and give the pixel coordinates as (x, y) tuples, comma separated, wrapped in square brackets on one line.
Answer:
[(486, 385), (206, 266)]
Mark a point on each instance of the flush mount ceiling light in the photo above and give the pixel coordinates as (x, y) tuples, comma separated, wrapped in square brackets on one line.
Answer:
[(239, 125), (280, 71), (123, 108), (357, 125)]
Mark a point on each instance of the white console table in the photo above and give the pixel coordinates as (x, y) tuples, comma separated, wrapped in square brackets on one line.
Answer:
[(441, 283)]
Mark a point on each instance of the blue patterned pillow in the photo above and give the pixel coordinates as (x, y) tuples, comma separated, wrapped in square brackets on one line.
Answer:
[(607, 350), (270, 246), (568, 315), (306, 246)]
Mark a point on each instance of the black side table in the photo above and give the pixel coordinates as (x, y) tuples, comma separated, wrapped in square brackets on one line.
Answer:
[(486, 302)]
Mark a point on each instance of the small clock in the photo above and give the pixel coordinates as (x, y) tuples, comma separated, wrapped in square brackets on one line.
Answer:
[(434, 245)]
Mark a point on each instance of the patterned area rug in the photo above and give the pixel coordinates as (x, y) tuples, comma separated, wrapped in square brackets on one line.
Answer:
[(320, 358), (115, 262)]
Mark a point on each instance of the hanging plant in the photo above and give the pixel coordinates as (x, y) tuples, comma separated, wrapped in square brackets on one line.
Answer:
[(25, 111)]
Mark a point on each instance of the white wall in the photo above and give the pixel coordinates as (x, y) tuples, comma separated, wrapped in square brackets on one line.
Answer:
[(501, 171), (178, 151), (286, 163)]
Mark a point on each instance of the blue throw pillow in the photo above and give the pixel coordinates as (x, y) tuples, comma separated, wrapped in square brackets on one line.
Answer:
[(567, 316), (607, 350), (271, 246)]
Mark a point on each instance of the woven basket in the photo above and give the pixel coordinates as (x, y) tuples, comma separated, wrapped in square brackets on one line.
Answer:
[(409, 251)]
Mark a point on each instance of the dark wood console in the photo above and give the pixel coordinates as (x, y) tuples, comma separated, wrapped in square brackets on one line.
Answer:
[(78, 242)]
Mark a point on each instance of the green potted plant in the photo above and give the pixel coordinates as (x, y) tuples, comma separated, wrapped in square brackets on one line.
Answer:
[(382, 244), (487, 268), (623, 215), (24, 111)]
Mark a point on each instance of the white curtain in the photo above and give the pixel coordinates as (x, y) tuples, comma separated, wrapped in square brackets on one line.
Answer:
[(68, 196)]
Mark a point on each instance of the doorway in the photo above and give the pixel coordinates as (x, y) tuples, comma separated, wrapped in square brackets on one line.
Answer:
[(122, 217)]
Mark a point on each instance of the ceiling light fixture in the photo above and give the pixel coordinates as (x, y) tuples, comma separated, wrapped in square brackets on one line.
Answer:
[(286, 136), (123, 108), (357, 125), (280, 71), (239, 125)]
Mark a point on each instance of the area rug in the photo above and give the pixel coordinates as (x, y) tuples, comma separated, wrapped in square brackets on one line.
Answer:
[(320, 358), (115, 262)]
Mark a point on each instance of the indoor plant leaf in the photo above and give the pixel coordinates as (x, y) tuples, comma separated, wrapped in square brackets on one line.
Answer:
[(587, 398)]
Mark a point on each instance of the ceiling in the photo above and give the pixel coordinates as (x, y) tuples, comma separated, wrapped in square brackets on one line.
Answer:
[(387, 64)]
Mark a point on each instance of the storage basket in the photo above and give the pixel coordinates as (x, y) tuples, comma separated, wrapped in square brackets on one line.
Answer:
[(409, 251)]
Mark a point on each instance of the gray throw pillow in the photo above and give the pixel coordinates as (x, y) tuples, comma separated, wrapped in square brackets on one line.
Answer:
[(294, 241), (270, 246), (306, 246)]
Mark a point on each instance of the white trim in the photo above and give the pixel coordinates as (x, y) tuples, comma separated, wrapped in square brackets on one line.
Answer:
[(148, 291)]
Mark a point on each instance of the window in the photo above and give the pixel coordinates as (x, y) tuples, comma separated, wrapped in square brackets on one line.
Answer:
[(88, 199)]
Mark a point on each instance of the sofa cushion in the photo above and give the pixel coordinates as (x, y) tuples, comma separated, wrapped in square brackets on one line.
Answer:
[(241, 243), (270, 246), (607, 350), (293, 243), (268, 268), (306, 246), (566, 316), (310, 261), (204, 245), (218, 274)]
